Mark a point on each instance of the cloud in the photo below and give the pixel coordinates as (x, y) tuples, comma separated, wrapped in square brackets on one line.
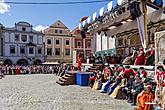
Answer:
[(4, 7), (40, 28)]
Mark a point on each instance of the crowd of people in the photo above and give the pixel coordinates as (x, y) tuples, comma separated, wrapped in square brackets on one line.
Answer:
[(29, 69), (132, 84), (137, 57)]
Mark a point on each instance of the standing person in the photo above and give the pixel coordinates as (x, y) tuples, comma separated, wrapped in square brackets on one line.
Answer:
[(140, 59), (79, 60), (17, 70)]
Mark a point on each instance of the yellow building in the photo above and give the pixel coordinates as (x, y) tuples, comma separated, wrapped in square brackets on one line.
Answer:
[(58, 43)]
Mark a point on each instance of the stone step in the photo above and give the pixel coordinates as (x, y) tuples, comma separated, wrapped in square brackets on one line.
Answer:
[(68, 75), (62, 80), (62, 83)]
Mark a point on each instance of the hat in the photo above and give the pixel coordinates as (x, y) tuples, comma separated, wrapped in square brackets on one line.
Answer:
[(131, 74)]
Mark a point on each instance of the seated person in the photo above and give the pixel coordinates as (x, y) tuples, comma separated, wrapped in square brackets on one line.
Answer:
[(129, 87), (145, 98), (92, 79), (115, 84), (143, 72), (127, 71), (98, 81), (106, 85), (137, 88), (119, 93)]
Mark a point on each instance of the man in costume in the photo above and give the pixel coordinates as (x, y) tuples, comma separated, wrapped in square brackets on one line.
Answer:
[(79, 62), (137, 88), (145, 98), (130, 87)]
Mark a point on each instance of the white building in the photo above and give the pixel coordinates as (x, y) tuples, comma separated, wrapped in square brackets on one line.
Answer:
[(23, 45)]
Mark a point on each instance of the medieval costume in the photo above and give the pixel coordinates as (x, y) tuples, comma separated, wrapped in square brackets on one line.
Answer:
[(79, 62), (98, 82), (145, 97), (140, 59), (130, 87), (151, 57), (137, 88)]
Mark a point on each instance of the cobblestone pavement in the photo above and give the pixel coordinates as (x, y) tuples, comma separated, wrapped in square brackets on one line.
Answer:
[(40, 92)]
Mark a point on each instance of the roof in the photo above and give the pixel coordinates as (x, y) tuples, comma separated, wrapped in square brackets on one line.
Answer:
[(58, 24)]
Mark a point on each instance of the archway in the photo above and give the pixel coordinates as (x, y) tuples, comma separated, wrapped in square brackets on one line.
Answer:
[(8, 62), (37, 62), (22, 62)]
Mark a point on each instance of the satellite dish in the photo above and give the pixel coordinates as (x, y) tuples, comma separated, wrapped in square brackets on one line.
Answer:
[(119, 2), (110, 6)]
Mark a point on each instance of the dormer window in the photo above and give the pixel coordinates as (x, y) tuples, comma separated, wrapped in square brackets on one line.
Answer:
[(23, 29)]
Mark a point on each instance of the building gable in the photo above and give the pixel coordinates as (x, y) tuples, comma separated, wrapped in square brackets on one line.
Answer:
[(58, 24)]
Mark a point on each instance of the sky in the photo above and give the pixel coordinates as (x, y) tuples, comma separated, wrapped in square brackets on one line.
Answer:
[(42, 16)]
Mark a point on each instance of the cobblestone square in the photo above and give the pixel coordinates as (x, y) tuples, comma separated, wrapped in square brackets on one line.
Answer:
[(40, 92)]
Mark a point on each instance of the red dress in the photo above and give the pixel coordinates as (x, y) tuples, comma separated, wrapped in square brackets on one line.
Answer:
[(17, 71), (79, 63), (140, 60)]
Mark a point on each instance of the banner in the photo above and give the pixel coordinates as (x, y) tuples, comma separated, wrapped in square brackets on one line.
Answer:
[(140, 24)]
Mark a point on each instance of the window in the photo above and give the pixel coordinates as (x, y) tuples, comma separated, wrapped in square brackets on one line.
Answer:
[(57, 51), (39, 50), (49, 51), (12, 49), (57, 42), (56, 31), (24, 38), (23, 29), (89, 44), (16, 37), (22, 50), (30, 38), (31, 50), (78, 44), (67, 52), (60, 31), (67, 42), (49, 41)]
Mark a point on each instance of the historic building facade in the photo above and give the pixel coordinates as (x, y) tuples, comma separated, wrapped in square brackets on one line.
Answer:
[(58, 43), (23, 45), (83, 46), (126, 41)]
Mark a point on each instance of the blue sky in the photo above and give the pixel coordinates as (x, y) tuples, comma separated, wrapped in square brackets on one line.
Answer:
[(46, 15)]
